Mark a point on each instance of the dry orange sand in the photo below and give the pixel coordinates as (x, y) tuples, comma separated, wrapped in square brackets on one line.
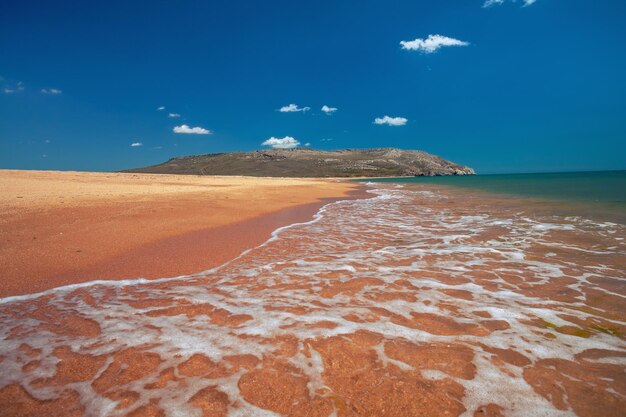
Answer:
[(58, 228)]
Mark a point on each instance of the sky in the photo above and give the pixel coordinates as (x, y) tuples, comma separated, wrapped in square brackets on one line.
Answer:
[(499, 85)]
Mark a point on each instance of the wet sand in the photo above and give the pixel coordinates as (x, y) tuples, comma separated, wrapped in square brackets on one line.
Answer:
[(60, 228)]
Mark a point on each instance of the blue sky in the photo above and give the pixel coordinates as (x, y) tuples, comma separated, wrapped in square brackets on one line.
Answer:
[(513, 87)]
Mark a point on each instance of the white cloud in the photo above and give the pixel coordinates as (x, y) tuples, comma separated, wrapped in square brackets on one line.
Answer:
[(490, 3), (431, 44), (16, 89), (192, 130), (291, 108), (329, 110), (161, 108), (307, 144), (327, 140), (285, 143), (136, 144), (51, 91), (47, 141), (390, 121), (173, 115)]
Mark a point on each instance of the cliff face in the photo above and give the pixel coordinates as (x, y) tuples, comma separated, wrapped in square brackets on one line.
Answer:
[(304, 162)]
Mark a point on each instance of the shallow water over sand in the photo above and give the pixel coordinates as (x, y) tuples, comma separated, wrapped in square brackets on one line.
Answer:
[(416, 302)]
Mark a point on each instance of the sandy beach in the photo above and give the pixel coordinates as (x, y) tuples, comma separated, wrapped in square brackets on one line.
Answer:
[(60, 228), (417, 301)]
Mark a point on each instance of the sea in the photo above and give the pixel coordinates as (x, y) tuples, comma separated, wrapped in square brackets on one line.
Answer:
[(499, 295), (592, 192)]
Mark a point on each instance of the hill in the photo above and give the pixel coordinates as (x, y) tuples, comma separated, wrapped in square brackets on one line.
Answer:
[(305, 162)]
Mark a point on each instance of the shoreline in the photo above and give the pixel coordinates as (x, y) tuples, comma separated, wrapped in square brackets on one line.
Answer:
[(152, 231), (307, 211), (438, 281), (200, 250)]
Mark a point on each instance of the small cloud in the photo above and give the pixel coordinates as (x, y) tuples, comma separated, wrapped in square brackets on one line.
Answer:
[(285, 143), (192, 130), (44, 156), (431, 44), (291, 108), (307, 144), (14, 89), (173, 115), (51, 91), (490, 3), (327, 140), (46, 141), (390, 121), (136, 144), (329, 110), (161, 108)]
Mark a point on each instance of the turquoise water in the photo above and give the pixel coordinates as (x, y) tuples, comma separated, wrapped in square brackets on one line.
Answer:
[(606, 187)]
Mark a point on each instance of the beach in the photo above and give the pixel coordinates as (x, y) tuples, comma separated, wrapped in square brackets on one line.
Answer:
[(418, 300), (60, 228), (313, 209)]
